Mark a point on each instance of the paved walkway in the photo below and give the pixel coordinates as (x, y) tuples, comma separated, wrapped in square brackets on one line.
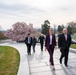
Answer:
[(38, 63)]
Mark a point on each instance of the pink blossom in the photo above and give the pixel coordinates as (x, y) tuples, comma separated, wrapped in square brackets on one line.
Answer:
[(20, 30)]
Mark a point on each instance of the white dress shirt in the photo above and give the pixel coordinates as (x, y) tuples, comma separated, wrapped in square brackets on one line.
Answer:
[(50, 39), (29, 40)]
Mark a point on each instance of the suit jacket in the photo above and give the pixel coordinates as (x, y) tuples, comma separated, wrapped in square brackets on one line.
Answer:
[(41, 38), (34, 41), (47, 41), (62, 42), (26, 40)]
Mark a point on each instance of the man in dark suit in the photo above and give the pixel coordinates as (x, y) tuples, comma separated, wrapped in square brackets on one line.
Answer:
[(64, 42), (28, 42), (41, 39), (50, 43)]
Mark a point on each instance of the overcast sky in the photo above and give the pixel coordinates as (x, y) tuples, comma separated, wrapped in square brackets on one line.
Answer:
[(36, 11)]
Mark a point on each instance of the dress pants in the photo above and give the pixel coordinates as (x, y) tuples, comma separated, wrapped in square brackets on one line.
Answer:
[(64, 53), (34, 47), (29, 48), (51, 51), (41, 46)]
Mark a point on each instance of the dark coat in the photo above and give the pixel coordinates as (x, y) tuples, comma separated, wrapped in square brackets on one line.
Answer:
[(41, 39), (26, 40), (62, 42), (34, 41), (47, 41)]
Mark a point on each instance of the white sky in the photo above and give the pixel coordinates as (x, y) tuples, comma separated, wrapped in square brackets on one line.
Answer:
[(36, 11)]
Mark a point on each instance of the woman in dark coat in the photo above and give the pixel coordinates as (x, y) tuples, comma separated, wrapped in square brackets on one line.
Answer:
[(50, 44)]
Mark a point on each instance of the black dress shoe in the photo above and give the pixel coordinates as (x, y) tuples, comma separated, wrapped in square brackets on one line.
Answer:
[(66, 65), (34, 51), (41, 49), (29, 53), (53, 68)]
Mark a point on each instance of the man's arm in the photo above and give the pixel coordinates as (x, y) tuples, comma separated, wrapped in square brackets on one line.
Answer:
[(70, 40), (25, 40)]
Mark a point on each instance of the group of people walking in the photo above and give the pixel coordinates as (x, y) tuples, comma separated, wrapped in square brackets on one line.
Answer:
[(64, 42), (31, 41)]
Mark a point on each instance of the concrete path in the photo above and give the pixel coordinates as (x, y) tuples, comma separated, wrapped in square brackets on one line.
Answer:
[(38, 63)]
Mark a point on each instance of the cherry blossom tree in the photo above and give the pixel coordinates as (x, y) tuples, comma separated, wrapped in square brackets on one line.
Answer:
[(20, 30)]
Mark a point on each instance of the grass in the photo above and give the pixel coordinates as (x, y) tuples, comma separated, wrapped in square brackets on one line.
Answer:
[(73, 46), (9, 60)]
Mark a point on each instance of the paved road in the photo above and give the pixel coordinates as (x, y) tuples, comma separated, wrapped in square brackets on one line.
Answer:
[(38, 63)]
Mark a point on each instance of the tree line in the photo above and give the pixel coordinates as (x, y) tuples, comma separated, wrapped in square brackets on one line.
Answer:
[(71, 27)]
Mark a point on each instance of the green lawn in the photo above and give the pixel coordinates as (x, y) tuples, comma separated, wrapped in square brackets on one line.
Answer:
[(73, 46), (9, 60)]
